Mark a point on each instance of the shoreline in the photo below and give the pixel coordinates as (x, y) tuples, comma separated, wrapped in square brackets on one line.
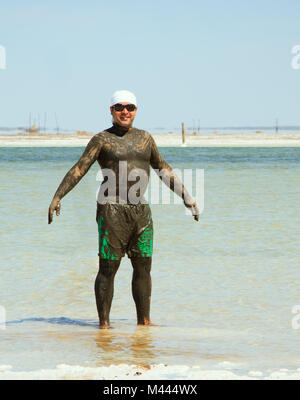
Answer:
[(162, 140)]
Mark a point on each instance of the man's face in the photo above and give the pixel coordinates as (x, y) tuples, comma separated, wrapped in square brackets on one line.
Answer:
[(123, 118)]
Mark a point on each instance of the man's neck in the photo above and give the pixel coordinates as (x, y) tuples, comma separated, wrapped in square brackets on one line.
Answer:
[(121, 130)]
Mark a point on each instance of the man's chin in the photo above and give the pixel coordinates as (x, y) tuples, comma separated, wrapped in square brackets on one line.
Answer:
[(125, 124)]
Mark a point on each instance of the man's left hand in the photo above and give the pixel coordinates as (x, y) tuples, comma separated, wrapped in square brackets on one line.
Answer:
[(192, 206)]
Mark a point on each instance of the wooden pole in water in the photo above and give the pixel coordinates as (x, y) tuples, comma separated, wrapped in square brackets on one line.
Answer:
[(45, 119), (183, 132), (57, 127)]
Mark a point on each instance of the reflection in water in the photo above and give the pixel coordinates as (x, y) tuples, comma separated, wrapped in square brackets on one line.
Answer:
[(129, 348), (141, 344)]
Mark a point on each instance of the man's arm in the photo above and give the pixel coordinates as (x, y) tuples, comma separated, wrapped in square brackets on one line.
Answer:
[(89, 156), (168, 176)]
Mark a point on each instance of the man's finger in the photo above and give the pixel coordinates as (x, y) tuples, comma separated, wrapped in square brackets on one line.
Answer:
[(195, 212), (50, 216)]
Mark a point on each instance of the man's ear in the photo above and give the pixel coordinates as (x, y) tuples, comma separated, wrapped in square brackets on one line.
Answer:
[(111, 110)]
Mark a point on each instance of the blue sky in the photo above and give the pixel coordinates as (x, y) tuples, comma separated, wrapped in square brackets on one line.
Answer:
[(227, 63)]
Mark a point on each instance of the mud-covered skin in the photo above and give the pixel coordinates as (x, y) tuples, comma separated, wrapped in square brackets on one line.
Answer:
[(109, 147), (104, 289), (141, 289)]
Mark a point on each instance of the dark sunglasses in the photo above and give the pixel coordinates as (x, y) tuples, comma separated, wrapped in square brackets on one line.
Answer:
[(120, 107)]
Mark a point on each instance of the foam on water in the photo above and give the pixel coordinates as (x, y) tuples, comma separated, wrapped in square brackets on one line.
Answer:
[(151, 372)]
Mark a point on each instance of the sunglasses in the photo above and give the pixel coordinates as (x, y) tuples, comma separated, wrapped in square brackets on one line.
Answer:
[(120, 107)]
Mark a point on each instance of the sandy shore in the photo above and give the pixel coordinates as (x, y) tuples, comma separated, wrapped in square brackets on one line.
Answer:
[(172, 140)]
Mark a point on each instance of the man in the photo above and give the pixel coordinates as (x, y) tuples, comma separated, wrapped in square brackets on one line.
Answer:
[(124, 218)]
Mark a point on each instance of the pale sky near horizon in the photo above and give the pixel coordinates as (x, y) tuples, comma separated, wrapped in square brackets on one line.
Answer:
[(227, 63)]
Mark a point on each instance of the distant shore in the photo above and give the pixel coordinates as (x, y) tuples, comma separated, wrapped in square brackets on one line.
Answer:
[(259, 139)]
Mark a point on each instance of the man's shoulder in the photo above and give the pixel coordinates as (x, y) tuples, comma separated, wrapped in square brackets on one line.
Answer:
[(142, 132), (100, 136), (102, 133)]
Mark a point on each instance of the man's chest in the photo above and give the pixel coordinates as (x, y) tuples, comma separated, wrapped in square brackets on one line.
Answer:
[(130, 147)]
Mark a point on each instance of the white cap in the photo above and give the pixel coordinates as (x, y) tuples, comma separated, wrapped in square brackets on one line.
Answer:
[(123, 96)]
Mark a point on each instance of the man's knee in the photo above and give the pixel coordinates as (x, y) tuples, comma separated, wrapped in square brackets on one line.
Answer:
[(108, 268), (142, 265)]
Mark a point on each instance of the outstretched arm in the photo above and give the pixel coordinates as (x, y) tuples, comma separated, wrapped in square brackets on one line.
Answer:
[(89, 156), (168, 176)]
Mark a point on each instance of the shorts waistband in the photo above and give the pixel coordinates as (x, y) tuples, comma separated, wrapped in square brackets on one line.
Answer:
[(122, 204)]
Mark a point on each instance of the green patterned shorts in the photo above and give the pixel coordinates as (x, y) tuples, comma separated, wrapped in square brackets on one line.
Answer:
[(124, 229)]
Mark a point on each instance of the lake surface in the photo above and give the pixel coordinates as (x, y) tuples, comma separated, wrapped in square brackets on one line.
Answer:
[(223, 288)]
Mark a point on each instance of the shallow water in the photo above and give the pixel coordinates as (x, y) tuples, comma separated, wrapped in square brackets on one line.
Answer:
[(223, 288)]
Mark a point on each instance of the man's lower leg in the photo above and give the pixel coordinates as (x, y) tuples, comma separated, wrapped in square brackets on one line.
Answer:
[(141, 288), (104, 289)]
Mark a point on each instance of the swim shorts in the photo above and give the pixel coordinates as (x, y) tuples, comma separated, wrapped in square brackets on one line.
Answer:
[(124, 229)]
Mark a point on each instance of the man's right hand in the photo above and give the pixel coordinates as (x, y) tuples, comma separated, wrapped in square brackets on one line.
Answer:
[(54, 206)]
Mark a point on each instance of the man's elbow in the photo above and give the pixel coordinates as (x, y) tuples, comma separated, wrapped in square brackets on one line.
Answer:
[(79, 171)]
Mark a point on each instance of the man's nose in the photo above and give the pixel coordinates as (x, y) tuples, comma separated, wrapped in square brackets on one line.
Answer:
[(125, 111)]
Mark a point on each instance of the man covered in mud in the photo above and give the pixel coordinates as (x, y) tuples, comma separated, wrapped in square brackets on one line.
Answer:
[(125, 155)]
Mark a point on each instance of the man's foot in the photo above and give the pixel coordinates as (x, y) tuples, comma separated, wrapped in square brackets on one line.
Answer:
[(104, 326), (146, 322)]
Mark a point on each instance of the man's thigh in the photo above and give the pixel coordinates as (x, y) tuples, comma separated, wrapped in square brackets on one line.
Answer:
[(113, 231), (141, 243)]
